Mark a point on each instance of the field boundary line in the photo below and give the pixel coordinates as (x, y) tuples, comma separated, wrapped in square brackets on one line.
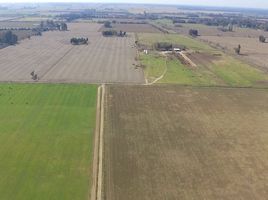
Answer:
[(93, 193), (96, 189), (100, 171)]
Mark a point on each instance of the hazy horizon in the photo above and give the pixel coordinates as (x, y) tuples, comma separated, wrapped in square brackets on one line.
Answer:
[(220, 3)]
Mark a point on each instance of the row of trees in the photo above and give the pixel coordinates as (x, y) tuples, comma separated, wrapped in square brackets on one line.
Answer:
[(224, 21), (86, 14), (9, 38), (109, 33), (163, 46), (114, 33), (107, 24), (51, 25), (79, 41), (193, 32), (166, 46)]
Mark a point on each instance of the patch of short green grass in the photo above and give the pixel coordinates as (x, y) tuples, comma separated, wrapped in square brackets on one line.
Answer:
[(174, 71), (155, 65), (46, 133), (236, 73), (178, 73)]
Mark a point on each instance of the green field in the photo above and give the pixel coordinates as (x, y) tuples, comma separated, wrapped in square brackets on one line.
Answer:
[(46, 133), (175, 72), (225, 71)]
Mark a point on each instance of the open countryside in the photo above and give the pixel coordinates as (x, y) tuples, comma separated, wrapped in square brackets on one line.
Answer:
[(54, 59), (122, 101)]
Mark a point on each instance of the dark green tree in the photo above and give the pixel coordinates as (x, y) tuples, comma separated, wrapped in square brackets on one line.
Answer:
[(10, 38), (107, 24), (262, 39)]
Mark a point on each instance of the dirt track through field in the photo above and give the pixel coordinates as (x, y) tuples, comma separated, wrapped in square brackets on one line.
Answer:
[(52, 66), (96, 188), (161, 76), (54, 59)]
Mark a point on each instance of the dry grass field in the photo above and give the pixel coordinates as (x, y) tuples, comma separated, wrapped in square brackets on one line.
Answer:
[(170, 142), (54, 59)]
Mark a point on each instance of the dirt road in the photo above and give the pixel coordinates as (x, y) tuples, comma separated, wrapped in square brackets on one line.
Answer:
[(96, 190)]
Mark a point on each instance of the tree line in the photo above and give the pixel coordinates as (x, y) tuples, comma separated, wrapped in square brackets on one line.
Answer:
[(52, 25), (9, 38), (114, 33), (224, 21)]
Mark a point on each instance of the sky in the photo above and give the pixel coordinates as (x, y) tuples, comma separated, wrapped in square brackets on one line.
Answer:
[(219, 3)]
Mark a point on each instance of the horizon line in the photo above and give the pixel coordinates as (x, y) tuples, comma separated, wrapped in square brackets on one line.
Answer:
[(133, 3)]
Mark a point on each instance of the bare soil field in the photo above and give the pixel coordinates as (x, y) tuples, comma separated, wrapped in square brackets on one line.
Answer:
[(54, 59), (203, 58), (170, 142), (134, 28)]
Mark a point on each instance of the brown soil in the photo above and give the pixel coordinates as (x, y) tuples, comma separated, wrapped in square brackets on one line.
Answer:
[(203, 59), (170, 142)]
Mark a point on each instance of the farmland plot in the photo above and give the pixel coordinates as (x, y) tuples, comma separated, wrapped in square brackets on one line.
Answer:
[(170, 142), (252, 50), (46, 133), (54, 59), (213, 66), (205, 30), (134, 28)]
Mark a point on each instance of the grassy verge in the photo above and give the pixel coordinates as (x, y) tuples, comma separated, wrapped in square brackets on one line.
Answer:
[(46, 140)]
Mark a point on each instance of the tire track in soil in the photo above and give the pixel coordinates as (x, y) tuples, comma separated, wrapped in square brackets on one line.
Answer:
[(53, 65)]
